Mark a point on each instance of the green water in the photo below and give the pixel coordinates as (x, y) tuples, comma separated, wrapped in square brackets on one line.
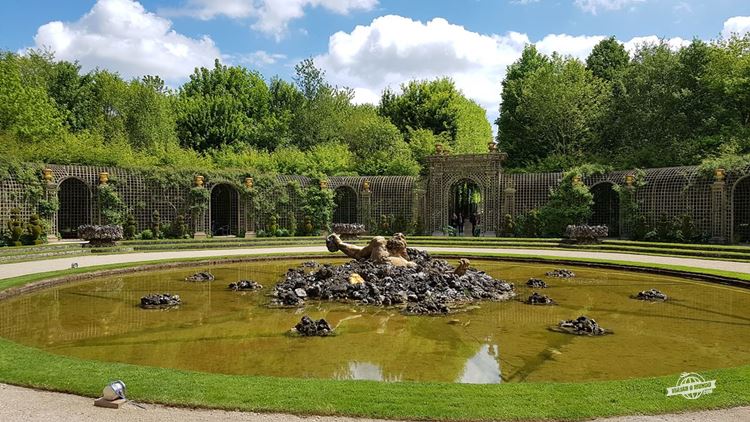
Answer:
[(704, 326)]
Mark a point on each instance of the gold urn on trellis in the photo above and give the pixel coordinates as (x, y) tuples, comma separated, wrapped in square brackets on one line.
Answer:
[(720, 174), (323, 184), (198, 181), (103, 178), (577, 180), (48, 175), (249, 183), (630, 179), (366, 186)]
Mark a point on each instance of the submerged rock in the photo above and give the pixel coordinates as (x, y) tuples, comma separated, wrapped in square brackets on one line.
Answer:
[(536, 283), (582, 326), (245, 285), (537, 299), (201, 276), (431, 286), (309, 327), (652, 295), (160, 301), (561, 273)]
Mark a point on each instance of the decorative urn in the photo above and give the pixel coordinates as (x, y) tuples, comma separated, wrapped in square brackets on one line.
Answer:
[(47, 174), (103, 178), (249, 182), (199, 181)]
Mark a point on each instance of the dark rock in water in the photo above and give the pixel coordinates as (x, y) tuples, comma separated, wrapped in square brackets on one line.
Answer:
[(245, 285), (652, 295), (561, 273), (430, 287), (536, 283), (159, 301), (309, 327), (310, 264), (201, 276), (582, 326), (537, 299)]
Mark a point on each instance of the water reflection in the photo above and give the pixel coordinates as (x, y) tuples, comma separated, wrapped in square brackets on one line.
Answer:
[(483, 367), (365, 371)]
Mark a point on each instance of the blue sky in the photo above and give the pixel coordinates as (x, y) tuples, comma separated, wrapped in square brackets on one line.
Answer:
[(364, 44)]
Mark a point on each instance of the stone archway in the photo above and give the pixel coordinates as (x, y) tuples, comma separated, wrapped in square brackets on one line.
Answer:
[(75, 207), (741, 211), (606, 208), (466, 205), (224, 210), (345, 200)]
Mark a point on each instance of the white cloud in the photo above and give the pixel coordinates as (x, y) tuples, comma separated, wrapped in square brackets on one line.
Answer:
[(257, 58), (594, 6), (121, 35), (568, 45), (674, 43), (393, 49), (271, 16), (739, 25)]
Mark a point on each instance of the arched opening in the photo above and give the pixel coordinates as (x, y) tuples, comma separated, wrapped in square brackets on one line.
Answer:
[(75, 207), (741, 211), (345, 200), (466, 207), (224, 210), (606, 209)]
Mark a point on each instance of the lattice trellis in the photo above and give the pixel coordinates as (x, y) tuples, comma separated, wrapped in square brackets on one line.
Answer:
[(720, 208)]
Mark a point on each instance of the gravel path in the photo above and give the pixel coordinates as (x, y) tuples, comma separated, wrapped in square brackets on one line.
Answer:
[(26, 405), (22, 404), (23, 268)]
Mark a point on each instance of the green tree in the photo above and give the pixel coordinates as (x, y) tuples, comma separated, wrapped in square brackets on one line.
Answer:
[(223, 106), (511, 134), (440, 107), (607, 59)]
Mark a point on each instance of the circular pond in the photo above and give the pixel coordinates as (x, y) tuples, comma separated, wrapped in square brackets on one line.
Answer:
[(702, 326)]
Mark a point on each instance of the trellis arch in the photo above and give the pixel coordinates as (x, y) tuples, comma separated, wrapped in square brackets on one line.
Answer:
[(606, 208), (75, 199), (224, 209), (740, 210), (345, 199)]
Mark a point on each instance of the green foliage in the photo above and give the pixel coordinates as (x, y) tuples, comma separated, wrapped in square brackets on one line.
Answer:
[(178, 228), (507, 226), (15, 228), (35, 230), (129, 228), (318, 205), (291, 223), (529, 224), (156, 225), (199, 200), (607, 59), (147, 235), (634, 221), (111, 206), (570, 202), (442, 109)]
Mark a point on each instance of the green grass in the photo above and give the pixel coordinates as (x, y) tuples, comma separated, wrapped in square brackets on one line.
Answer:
[(26, 366)]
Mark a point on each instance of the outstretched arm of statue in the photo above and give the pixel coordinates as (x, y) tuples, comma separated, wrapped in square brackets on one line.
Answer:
[(335, 243)]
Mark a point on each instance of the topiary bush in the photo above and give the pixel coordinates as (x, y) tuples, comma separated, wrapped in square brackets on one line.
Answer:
[(15, 228), (508, 226), (156, 227), (178, 229), (130, 228), (35, 231)]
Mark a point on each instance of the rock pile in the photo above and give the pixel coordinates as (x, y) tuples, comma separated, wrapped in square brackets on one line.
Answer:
[(652, 295), (201, 276), (160, 301), (245, 285), (582, 326), (536, 283), (561, 273), (308, 327), (537, 299), (429, 287)]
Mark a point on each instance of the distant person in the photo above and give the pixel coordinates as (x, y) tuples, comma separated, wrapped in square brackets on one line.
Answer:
[(460, 223), (454, 221)]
